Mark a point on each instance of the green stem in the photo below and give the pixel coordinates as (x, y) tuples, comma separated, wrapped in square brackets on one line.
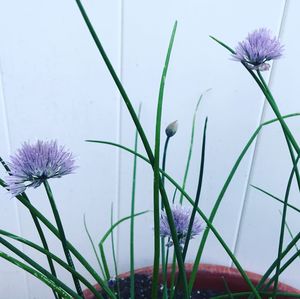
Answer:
[(164, 258), (272, 101), (291, 234), (173, 272), (114, 251), (62, 236), (5, 165), (104, 261), (164, 160), (276, 198), (45, 245), (200, 180), (93, 246), (197, 198), (187, 167), (132, 267), (265, 89)]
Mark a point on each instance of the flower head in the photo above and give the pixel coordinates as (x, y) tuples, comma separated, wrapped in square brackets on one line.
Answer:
[(181, 216), (35, 163), (172, 128), (258, 48)]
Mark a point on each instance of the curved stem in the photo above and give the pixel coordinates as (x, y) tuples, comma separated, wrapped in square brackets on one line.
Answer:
[(133, 188), (93, 246)]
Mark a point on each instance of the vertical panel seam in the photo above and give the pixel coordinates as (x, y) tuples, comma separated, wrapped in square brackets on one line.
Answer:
[(119, 117), (8, 145), (257, 142)]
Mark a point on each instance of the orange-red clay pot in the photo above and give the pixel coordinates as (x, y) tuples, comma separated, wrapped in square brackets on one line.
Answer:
[(211, 277)]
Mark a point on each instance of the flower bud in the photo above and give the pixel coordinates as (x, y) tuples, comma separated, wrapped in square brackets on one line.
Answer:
[(172, 128)]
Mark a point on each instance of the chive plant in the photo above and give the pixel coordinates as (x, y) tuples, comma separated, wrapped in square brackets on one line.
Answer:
[(35, 164)]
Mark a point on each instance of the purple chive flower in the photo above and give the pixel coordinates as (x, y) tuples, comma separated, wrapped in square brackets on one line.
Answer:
[(35, 163), (258, 48), (181, 216)]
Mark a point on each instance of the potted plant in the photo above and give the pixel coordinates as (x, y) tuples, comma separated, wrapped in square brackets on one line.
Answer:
[(175, 223)]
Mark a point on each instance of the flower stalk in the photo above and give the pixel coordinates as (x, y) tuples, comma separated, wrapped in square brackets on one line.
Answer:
[(62, 236)]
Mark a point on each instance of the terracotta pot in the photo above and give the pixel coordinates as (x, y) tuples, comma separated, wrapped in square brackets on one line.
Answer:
[(211, 277)]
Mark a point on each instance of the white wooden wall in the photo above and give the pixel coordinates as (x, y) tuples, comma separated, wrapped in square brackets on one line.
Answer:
[(54, 85)]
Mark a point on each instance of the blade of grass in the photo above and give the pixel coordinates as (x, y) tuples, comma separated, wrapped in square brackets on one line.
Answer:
[(173, 272), (197, 198), (93, 246), (62, 293), (200, 181), (108, 232), (104, 262), (114, 251), (133, 188), (290, 233), (187, 167), (276, 198), (229, 293), (106, 235)]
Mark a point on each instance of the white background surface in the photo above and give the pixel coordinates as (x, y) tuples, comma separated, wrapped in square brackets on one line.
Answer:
[(54, 85)]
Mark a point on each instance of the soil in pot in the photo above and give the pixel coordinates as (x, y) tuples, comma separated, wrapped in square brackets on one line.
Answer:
[(143, 284)]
